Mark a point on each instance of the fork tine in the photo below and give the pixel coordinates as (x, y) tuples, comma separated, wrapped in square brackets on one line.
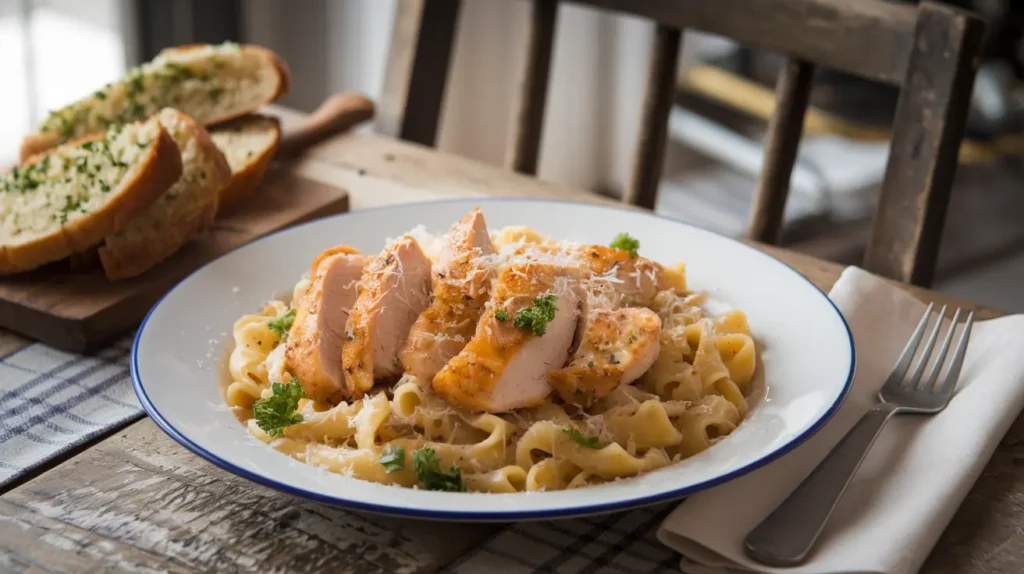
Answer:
[(929, 383), (903, 364), (949, 383), (927, 353)]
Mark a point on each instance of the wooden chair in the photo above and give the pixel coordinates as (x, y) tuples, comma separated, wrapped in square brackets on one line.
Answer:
[(929, 50)]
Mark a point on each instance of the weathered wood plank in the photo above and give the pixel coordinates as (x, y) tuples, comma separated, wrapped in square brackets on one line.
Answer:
[(929, 125), (867, 38), (649, 153), (523, 149), (781, 143), (139, 500), (417, 69)]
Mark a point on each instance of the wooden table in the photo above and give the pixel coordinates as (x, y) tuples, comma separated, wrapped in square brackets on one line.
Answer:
[(137, 500)]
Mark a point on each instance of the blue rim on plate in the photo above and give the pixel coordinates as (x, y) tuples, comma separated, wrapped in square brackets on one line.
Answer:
[(463, 516)]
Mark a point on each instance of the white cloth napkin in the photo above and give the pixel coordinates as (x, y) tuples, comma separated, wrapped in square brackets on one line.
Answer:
[(915, 476)]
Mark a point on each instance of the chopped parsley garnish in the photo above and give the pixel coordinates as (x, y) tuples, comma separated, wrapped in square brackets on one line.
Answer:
[(537, 317), (101, 95), (393, 458), (427, 465), (277, 411), (590, 364), (134, 82), (626, 243), (282, 324), (70, 204), (501, 314), (105, 187), (583, 440)]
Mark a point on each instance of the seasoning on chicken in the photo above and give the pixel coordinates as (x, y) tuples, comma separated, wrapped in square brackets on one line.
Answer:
[(313, 349), (461, 280), (617, 347), (393, 291), (525, 333)]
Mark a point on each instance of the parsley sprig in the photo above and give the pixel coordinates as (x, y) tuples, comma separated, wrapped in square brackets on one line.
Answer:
[(393, 458), (282, 324), (624, 242), (583, 440), (277, 411), (427, 465), (537, 317)]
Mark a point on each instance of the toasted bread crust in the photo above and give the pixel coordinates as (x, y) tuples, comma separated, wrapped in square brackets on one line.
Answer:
[(284, 83), (38, 142), (85, 232), (123, 259), (126, 262), (157, 172), (284, 79), (244, 181)]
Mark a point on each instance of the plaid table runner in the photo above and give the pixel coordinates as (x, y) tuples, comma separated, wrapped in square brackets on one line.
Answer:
[(623, 542), (52, 401)]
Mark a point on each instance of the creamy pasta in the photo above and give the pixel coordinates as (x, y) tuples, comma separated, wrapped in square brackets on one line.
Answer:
[(403, 432)]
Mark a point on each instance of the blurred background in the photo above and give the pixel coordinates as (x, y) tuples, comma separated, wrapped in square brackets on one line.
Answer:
[(54, 51)]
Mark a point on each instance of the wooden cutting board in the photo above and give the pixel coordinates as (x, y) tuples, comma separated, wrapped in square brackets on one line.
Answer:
[(80, 310)]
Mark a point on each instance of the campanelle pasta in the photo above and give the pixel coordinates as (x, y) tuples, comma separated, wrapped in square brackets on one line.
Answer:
[(694, 394)]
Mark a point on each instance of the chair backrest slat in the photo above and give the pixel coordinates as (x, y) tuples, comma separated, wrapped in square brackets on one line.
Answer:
[(867, 38), (417, 69), (523, 147), (781, 141), (929, 50), (930, 116), (659, 93)]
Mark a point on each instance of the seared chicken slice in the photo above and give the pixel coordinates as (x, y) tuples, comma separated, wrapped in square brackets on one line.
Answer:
[(617, 347), (619, 278), (313, 350), (392, 293), (461, 279), (505, 365), (612, 277)]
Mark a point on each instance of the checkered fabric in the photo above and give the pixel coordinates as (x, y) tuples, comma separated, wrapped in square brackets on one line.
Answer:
[(623, 542), (52, 401)]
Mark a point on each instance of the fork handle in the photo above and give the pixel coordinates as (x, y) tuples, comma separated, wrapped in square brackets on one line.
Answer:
[(786, 536)]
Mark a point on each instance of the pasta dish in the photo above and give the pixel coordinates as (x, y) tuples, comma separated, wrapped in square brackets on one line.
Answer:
[(491, 361)]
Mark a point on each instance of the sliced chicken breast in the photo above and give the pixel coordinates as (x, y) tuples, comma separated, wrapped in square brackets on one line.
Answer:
[(611, 277), (620, 279), (505, 365), (617, 347), (393, 291), (313, 349), (461, 280)]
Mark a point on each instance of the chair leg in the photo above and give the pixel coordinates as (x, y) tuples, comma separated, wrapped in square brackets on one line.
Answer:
[(528, 119), (927, 131), (792, 93), (649, 155), (417, 69)]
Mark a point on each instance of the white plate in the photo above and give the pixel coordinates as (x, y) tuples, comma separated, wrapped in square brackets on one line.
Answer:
[(807, 355)]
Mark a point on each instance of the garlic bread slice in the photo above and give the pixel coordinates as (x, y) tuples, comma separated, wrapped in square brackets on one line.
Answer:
[(68, 199), (185, 210), (211, 83)]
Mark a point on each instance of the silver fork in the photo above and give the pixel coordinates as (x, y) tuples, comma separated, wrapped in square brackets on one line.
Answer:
[(787, 535)]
